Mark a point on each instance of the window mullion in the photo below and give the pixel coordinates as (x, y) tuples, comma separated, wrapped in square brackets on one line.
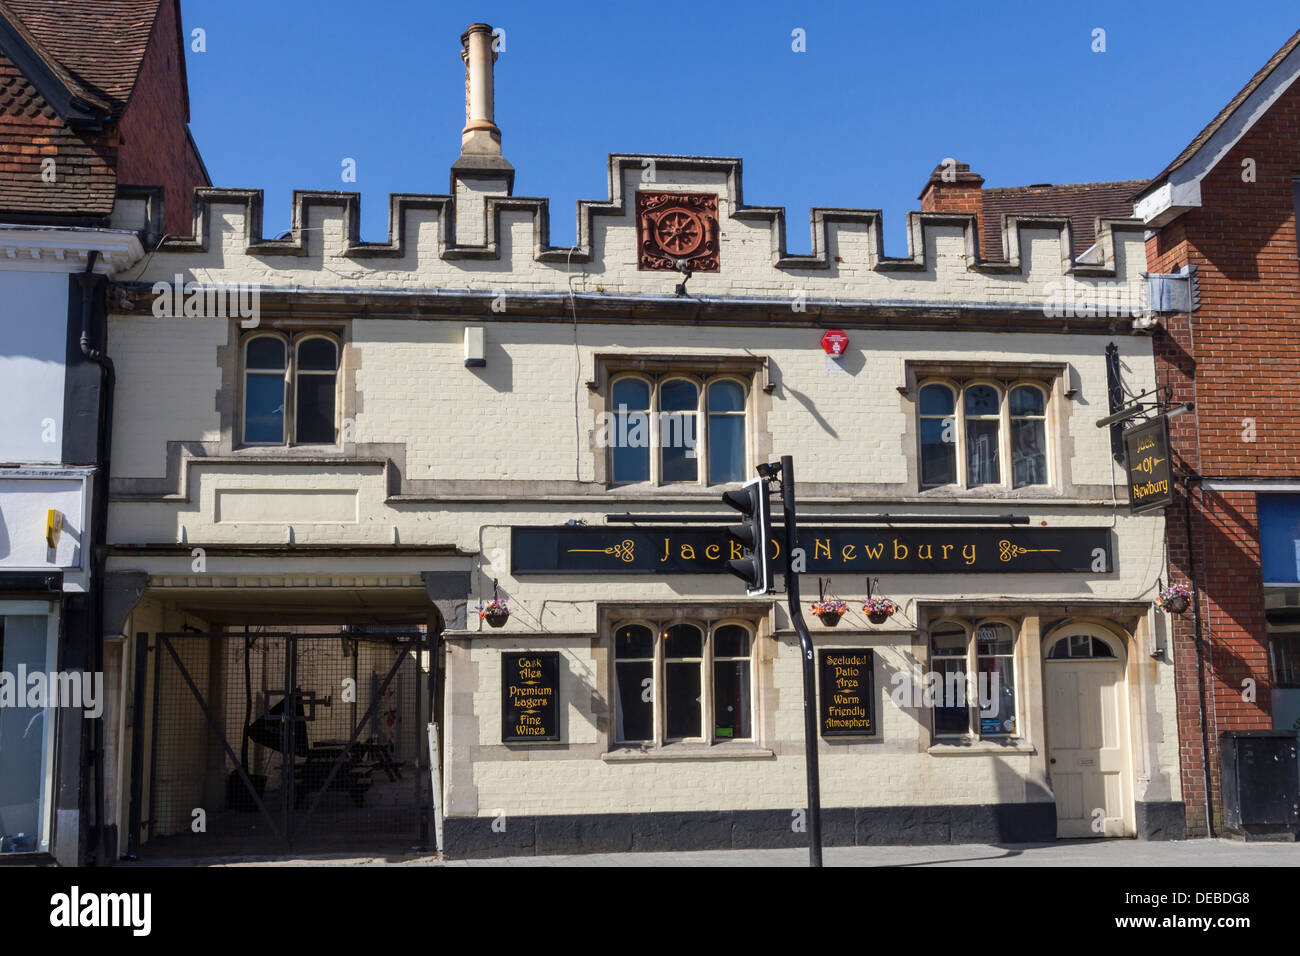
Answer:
[(656, 452), (291, 397), (660, 688), (702, 435), (1004, 438), (972, 680), (707, 719), (960, 414)]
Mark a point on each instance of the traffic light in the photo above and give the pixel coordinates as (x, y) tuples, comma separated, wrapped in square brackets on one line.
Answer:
[(755, 566)]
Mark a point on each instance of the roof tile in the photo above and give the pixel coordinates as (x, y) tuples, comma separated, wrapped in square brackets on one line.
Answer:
[(1084, 203)]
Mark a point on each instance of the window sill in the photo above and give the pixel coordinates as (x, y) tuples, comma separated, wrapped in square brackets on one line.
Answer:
[(688, 752), (252, 449), (990, 491), (960, 747), (675, 487)]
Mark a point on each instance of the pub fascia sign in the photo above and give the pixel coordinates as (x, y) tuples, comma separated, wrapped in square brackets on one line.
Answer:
[(539, 549), (1146, 465)]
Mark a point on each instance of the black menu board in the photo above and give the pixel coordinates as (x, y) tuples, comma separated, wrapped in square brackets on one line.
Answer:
[(847, 692), (530, 696)]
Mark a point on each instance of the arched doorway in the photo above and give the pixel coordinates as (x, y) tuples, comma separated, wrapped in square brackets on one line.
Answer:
[(1086, 703)]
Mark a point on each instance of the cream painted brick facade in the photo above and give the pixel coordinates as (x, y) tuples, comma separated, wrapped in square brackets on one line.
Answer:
[(433, 453)]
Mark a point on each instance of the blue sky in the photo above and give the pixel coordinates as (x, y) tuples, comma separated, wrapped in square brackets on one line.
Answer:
[(287, 89)]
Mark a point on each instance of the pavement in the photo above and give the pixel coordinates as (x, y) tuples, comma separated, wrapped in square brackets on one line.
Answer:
[(1075, 853)]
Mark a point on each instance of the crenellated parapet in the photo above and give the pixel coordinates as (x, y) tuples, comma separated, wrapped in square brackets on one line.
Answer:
[(480, 238)]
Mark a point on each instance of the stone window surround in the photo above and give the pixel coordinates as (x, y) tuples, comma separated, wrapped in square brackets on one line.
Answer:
[(1059, 378), (230, 397), (1127, 622), (756, 615), (754, 370), (292, 340), (973, 738)]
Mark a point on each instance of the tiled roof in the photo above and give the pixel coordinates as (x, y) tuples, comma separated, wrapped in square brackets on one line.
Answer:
[(94, 48), (1224, 114), (99, 43), (84, 181), (1082, 202)]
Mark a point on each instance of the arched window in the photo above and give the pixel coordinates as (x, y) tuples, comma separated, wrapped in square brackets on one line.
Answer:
[(679, 403), (938, 435), (968, 430), (683, 681), (1028, 436), (630, 441), (315, 390), (731, 683), (983, 407), (996, 678), (634, 668), (683, 656), (726, 438), (972, 679), (266, 371), (1080, 646), (290, 391), (949, 650), (686, 420)]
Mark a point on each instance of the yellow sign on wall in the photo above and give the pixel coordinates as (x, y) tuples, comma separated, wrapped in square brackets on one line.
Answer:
[(53, 527)]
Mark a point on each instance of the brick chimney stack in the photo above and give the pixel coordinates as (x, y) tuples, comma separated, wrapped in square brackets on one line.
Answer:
[(952, 187)]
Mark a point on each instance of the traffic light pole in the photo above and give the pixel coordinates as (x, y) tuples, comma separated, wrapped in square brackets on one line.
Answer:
[(809, 663)]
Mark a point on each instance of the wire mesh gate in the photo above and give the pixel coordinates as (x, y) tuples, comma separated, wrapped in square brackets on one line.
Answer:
[(261, 741)]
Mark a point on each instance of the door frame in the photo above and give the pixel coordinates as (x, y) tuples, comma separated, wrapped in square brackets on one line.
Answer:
[(1122, 643)]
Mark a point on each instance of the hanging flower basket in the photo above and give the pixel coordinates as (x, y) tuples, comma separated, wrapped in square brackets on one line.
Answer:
[(879, 609), (1174, 599), (496, 612), (830, 612)]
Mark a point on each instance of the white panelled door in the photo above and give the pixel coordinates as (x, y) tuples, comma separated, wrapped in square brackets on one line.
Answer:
[(1087, 737)]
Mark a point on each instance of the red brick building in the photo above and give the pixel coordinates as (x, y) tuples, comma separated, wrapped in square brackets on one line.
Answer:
[(99, 89), (1226, 208)]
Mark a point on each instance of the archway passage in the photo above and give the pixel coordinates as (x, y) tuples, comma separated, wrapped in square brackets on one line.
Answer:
[(262, 741), (1088, 733)]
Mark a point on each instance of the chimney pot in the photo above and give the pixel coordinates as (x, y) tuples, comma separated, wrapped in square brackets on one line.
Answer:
[(480, 135)]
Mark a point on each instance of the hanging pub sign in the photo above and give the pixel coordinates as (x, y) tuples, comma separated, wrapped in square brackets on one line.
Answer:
[(848, 692), (1146, 462), (674, 550), (530, 696)]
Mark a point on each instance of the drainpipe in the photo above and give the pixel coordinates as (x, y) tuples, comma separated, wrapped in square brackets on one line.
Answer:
[(1200, 658), (99, 526)]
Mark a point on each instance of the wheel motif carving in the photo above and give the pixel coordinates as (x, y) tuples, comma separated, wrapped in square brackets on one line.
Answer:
[(677, 226), (679, 232)]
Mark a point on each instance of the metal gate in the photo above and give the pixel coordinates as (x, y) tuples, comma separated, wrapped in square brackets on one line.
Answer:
[(268, 741)]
